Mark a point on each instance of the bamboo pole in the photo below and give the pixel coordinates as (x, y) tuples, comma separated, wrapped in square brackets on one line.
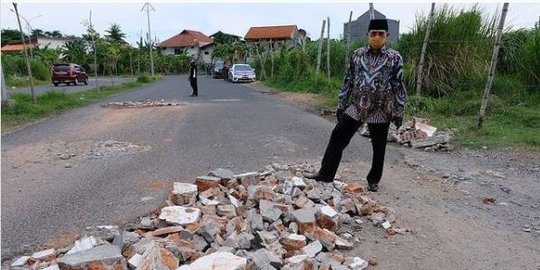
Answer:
[(328, 48), (25, 55), (348, 41), (492, 66), (319, 50), (422, 56)]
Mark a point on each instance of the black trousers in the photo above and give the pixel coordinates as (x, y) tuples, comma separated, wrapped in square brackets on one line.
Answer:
[(193, 83), (342, 135)]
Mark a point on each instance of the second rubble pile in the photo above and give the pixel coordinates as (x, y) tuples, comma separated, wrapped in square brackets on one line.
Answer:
[(273, 219)]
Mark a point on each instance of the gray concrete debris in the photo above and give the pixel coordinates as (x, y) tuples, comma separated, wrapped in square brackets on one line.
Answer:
[(107, 232), (268, 211), (263, 258), (140, 104), (21, 261), (40, 255), (106, 254), (313, 249), (217, 261), (180, 215), (135, 260)]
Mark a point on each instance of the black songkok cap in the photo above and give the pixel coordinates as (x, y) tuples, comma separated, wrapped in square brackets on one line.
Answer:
[(378, 24)]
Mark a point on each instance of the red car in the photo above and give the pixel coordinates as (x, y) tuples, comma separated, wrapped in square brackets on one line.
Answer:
[(68, 73)]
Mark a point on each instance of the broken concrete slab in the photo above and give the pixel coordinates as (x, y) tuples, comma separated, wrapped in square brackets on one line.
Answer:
[(268, 211), (85, 243), (264, 258), (183, 193), (217, 261), (44, 254), (180, 215), (135, 260), (106, 254), (20, 262)]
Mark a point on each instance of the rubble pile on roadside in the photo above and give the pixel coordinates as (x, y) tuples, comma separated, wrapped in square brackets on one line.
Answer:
[(417, 133), (273, 219), (137, 104)]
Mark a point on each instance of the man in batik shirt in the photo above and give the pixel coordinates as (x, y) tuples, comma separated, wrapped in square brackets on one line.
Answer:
[(373, 92)]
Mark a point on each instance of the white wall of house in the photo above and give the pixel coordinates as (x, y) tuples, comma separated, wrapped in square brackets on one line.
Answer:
[(206, 53), (167, 51), (53, 43)]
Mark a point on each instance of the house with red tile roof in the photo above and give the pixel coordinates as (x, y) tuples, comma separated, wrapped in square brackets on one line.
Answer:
[(194, 43), (278, 35)]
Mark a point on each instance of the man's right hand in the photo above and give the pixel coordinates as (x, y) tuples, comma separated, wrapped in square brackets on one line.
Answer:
[(339, 114)]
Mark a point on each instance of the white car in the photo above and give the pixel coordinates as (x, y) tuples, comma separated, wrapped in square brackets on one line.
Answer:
[(242, 73)]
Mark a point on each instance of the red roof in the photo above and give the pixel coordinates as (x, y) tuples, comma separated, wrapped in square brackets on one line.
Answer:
[(271, 32), (16, 47), (186, 38)]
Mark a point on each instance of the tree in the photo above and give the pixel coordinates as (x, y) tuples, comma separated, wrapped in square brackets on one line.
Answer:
[(9, 35), (115, 34), (75, 50), (38, 32), (47, 55)]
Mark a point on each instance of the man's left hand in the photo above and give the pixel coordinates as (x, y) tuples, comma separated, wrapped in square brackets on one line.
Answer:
[(397, 121)]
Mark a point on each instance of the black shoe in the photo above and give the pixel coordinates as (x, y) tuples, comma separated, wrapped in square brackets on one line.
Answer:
[(373, 187), (318, 177)]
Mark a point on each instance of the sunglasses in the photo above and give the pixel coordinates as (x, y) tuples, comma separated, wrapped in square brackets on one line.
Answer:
[(377, 33)]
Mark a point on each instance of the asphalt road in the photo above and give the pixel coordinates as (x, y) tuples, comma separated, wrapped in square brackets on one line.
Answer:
[(42, 89), (227, 126)]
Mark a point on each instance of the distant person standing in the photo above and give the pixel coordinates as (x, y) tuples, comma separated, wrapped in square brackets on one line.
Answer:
[(193, 78)]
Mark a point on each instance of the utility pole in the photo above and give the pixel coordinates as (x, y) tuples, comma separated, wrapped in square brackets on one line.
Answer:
[(25, 54), (149, 8), (492, 66), (371, 11), (422, 55), (319, 50)]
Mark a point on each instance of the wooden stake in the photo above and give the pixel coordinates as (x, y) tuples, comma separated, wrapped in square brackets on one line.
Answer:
[(328, 49), (348, 41), (492, 66), (422, 55), (319, 50)]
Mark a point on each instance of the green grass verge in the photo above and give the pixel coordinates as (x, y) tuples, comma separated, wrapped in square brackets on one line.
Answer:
[(24, 82), (512, 119), (23, 110)]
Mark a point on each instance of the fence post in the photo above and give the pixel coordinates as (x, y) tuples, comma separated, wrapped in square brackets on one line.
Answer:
[(319, 50), (492, 66), (422, 55), (328, 49), (5, 96)]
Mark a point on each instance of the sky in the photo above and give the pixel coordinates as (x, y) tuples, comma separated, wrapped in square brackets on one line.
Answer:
[(170, 18)]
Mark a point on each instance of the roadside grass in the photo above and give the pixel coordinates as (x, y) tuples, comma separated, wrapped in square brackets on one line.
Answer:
[(13, 81), (24, 111), (512, 118)]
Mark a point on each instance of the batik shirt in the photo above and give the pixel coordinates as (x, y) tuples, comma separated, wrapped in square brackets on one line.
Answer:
[(373, 90)]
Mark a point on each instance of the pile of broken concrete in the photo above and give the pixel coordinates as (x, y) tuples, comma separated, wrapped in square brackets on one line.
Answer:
[(417, 133), (140, 104), (273, 219)]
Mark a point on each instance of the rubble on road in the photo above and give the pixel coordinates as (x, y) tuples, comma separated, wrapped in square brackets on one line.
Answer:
[(139, 104), (273, 219)]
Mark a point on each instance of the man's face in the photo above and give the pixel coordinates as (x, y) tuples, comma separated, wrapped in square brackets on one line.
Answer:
[(377, 38)]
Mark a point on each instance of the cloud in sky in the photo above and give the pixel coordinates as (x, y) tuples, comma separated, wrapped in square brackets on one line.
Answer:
[(236, 18)]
